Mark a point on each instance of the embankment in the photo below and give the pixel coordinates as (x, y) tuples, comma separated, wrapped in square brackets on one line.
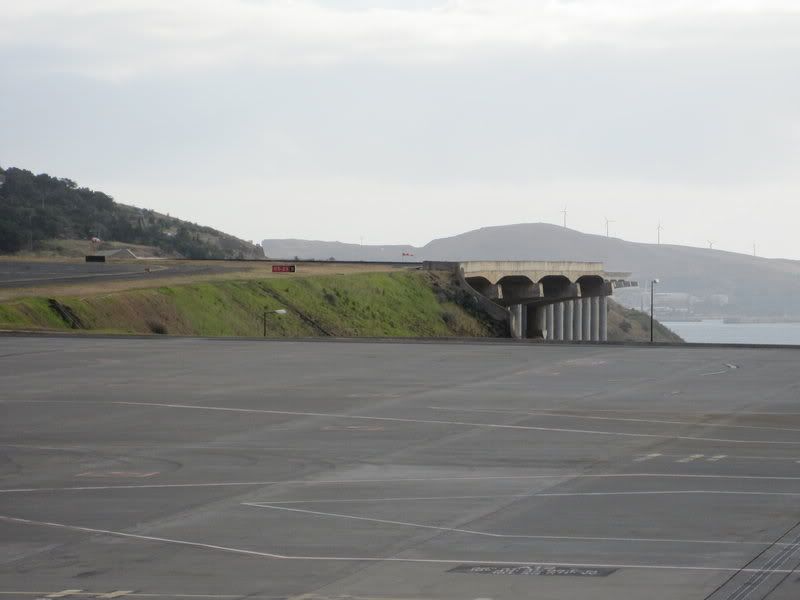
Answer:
[(407, 304), (394, 304)]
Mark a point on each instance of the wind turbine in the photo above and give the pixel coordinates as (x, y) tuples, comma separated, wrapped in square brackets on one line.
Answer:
[(564, 212), (607, 222)]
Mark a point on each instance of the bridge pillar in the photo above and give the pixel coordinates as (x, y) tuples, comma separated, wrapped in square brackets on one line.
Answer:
[(595, 318), (517, 321), (577, 320), (537, 321), (559, 321), (568, 320), (550, 319), (586, 324), (603, 300)]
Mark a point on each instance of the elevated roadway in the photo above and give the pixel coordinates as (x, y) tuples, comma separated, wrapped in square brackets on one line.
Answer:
[(551, 300)]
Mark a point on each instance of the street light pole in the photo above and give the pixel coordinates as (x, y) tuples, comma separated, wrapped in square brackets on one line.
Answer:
[(652, 298)]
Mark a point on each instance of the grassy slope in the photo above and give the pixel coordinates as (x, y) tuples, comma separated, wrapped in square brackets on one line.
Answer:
[(370, 304), (628, 325)]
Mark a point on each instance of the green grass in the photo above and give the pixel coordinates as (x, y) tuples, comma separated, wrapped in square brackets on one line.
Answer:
[(405, 304)]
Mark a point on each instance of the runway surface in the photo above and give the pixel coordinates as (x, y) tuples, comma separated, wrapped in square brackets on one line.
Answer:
[(214, 469)]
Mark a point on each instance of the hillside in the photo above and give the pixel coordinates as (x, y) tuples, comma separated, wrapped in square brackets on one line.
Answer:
[(400, 304), (45, 214), (714, 281)]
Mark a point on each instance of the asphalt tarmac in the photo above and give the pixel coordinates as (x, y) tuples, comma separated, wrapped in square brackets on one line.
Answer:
[(222, 469), (22, 273)]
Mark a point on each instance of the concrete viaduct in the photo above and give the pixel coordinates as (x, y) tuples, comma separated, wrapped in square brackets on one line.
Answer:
[(549, 300)]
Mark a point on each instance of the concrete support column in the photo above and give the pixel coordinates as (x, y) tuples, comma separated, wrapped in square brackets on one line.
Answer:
[(516, 321), (550, 318), (568, 319), (559, 321), (603, 318), (577, 320), (541, 320), (586, 324), (595, 319)]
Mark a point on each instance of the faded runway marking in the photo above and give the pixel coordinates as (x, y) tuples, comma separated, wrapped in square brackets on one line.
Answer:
[(376, 559)]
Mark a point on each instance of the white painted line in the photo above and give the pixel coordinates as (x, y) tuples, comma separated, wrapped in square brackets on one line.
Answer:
[(63, 593), (552, 413), (691, 458), (302, 482), (164, 595), (455, 423), (506, 535), (668, 492), (647, 457), (108, 474), (440, 561), (717, 457), (398, 499), (117, 594)]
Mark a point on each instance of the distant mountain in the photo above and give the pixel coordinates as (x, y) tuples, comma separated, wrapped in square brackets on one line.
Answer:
[(35, 209), (709, 281)]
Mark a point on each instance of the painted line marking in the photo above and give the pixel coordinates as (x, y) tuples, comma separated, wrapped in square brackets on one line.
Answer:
[(441, 561), (174, 595), (117, 594), (647, 457), (399, 499), (134, 474), (302, 482), (501, 535), (717, 457), (691, 458), (63, 594), (455, 423), (565, 415)]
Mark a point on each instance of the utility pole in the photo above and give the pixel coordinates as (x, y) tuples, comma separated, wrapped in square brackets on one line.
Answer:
[(607, 222), (754, 249), (659, 231), (564, 212)]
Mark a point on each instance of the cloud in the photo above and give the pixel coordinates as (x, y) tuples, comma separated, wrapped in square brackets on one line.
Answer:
[(129, 38)]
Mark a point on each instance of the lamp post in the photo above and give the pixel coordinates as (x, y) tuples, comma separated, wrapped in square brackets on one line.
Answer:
[(652, 298)]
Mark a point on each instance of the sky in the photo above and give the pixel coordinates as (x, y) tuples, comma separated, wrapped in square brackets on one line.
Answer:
[(401, 121)]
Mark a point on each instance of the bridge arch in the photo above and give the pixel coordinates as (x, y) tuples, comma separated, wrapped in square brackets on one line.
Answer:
[(555, 286), (518, 289), (592, 285)]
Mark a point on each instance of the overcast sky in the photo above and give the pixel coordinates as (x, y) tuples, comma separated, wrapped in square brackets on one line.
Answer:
[(406, 120)]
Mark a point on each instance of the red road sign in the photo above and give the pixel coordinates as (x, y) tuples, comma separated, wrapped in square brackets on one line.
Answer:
[(284, 269)]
